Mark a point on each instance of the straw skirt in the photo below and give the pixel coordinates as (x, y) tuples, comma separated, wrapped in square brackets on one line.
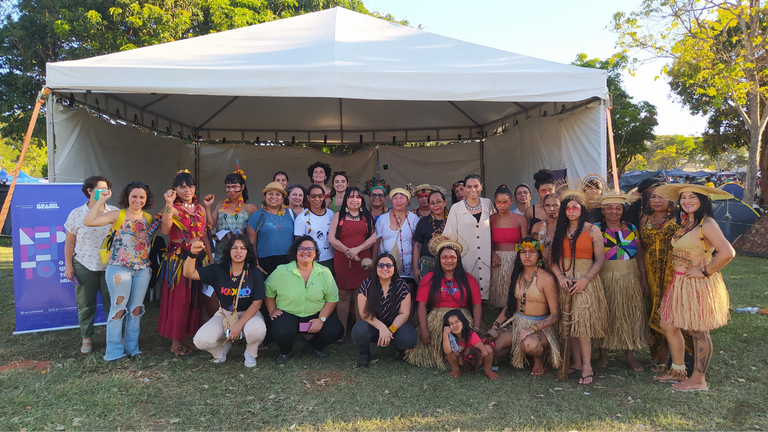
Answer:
[(699, 304), (500, 277), (627, 329), (518, 358), (589, 311), (432, 355)]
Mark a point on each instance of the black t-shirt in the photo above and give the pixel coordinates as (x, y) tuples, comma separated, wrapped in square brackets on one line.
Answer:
[(423, 233), (217, 276)]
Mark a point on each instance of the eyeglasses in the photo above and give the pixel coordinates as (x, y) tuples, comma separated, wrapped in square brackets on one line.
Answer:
[(379, 196), (309, 249), (316, 196), (385, 266)]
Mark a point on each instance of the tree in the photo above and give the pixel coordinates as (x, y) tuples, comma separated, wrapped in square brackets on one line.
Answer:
[(718, 51), (668, 152), (633, 123), (34, 32)]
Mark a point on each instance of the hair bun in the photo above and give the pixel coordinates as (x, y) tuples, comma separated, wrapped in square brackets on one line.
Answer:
[(543, 175)]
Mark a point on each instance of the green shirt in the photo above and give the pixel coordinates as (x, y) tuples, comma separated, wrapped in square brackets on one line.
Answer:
[(286, 286)]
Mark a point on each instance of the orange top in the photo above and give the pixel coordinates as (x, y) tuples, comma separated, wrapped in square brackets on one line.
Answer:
[(583, 246)]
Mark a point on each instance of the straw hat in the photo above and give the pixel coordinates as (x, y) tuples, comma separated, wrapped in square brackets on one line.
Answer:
[(576, 195), (613, 197), (396, 191), (274, 186), (672, 191), (440, 241), (423, 188)]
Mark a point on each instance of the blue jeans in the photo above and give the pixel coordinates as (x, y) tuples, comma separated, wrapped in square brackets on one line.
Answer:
[(127, 288)]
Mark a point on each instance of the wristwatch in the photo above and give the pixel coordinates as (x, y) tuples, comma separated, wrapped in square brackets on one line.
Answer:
[(322, 319)]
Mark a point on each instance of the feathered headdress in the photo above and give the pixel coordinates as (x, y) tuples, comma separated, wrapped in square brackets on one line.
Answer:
[(375, 183), (239, 170)]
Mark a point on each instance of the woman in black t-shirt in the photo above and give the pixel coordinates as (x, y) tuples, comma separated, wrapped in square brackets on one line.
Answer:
[(423, 261), (239, 287), (385, 304)]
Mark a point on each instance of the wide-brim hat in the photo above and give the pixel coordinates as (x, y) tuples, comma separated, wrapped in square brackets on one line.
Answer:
[(613, 197), (423, 188), (440, 241), (672, 191), (396, 191), (274, 186), (576, 195)]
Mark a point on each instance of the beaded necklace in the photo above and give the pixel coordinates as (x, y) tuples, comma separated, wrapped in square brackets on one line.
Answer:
[(658, 226), (406, 266), (279, 223), (526, 285), (435, 229), (477, 207), (228, 201)]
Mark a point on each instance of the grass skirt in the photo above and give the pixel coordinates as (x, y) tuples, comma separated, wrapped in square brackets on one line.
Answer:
[(517, 356), (627, 328), (696, 303), (432, 355), (500, 277), (589, 311)]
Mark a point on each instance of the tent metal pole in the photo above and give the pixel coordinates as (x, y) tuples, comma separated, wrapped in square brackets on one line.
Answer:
[(341, 121), (197, 167), (51, 138), (482, 158), (7, 204), (613, 149), (378, 162)]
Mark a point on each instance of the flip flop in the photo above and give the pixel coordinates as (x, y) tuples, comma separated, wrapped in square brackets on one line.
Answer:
[(182, 351), (455, 374), (539, 371), (592, 376), (659, 367), (691, 389), (572, 370), (665, 378), (492, 375)]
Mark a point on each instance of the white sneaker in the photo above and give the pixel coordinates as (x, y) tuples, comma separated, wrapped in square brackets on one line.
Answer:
[(250, 361), (224, 350)]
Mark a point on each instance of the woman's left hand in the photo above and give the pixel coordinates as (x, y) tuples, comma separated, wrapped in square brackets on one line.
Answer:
[(695, 272), (316, 326), (385, 337), (645, 287), (578, 285), (495, 260), (234, 332)]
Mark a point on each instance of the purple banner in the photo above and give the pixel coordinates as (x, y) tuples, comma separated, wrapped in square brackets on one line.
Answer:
[(44, 297)]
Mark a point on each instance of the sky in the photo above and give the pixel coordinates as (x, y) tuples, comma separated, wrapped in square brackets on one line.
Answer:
[(555, 30)]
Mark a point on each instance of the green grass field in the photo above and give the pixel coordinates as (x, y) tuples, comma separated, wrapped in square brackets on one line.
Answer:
[(163, 393)]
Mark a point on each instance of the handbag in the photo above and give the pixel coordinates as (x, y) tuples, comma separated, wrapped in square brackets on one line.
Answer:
[(106, 246), (232, 319)]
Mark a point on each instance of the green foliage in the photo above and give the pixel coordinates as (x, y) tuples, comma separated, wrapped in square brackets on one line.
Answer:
[(633, 123), (34, 32), (35, 161), (668, 152)]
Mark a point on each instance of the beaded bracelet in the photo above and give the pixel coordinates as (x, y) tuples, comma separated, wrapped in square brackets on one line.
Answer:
[(392, 328)]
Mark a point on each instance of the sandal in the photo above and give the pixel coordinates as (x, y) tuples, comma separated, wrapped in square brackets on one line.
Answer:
[(590, 377), (182, 351), (86, 347), (690, 389), (539, 371), (455, 374), (572, 370), (492, 375), (659, 368)]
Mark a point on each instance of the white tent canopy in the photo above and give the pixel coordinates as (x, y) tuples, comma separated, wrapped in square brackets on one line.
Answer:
[(334, 76)]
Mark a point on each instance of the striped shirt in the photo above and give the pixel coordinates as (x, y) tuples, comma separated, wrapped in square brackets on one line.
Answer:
[(390, 305)]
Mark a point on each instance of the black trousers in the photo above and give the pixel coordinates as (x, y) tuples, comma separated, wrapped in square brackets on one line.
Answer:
[(269, 264), (286, 327), (363, 334)]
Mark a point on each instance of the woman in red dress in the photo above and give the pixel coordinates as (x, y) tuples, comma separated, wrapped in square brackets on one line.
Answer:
[(352, 234), (181, 302)]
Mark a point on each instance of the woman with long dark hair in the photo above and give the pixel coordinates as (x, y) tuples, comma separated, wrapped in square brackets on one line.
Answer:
[(423, 260), (181, 302), (339, 184), (529, 316), (576, 258), (384, 302), (697, 299), (448, 287), (230, 215), (352, 234), (239, 289), (507, 230)]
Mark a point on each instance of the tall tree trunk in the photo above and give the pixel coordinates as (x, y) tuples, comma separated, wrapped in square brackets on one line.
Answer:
[(764, 169), (755, 132)]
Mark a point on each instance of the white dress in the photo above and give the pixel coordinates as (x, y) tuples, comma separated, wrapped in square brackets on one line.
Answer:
[(404, 243), (477, 235)]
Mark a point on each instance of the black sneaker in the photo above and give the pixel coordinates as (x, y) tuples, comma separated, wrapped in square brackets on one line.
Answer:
[(363, 360), (283, 358), (399, 355), (309, 349)]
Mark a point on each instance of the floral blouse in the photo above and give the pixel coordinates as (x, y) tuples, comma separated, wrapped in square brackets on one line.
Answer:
[(131, 245)]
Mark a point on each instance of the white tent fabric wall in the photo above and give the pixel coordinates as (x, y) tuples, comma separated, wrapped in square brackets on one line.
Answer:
[(574, 141)]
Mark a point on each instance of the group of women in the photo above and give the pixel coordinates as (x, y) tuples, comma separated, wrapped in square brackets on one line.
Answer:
[(317, 260)]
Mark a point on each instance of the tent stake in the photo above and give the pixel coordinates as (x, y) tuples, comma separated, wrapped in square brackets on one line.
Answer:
[(7, 204), (613, 149)]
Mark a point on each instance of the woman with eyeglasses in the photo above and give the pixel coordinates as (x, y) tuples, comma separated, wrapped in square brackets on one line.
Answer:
[(446, 288), (230, 216), (82, 261), (423, 260), (377, 190), (384, 302), (339, 184), (300, 297), (128, 269), (352, 233), (470, 220), (316, 221), (181, 302)]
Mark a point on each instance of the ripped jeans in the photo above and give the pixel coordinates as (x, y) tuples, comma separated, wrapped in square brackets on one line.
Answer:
[(127, 288)]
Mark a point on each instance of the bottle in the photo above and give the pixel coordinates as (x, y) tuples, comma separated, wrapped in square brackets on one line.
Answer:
[(751, 309)]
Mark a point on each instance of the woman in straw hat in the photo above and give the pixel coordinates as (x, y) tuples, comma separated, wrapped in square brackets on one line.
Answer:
[(271, 229), (576, 258), (625, 283), (448, 287), (525, 327), (696, 299), (395, 234)]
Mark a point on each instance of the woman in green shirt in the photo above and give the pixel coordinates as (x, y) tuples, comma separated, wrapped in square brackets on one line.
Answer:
[(301, 292)]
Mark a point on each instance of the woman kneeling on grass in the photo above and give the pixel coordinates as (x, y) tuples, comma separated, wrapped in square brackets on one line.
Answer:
[(239, 287), (462, 345)]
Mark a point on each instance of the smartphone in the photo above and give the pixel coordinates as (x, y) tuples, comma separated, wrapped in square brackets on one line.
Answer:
[(96, 193), (304, 327)]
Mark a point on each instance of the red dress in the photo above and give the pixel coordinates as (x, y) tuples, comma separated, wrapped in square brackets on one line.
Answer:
[(181, 302), (349, 273)]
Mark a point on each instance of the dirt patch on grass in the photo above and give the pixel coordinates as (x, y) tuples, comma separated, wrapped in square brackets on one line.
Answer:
[(26, 364), (323, 380)]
